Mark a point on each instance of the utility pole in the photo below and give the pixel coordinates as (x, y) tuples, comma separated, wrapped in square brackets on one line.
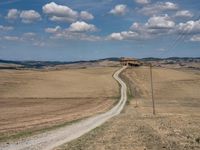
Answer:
[(152, 93), (136, 102)]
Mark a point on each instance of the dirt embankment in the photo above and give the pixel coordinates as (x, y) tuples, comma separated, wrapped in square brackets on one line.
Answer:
[(175, 126)]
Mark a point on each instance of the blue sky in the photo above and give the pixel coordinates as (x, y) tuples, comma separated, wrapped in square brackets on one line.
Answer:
[(69, 30)]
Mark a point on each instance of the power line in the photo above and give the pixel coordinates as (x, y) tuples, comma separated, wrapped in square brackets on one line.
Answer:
[(182, 35)]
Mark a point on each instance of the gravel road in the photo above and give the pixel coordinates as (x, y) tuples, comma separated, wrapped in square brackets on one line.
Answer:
[(54, 138)]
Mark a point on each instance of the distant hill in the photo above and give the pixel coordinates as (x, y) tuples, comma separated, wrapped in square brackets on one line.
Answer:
[(171, 58), (9, 64)]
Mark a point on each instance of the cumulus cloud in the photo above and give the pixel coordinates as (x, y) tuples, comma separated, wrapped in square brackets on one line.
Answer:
[(160, 22), (158, 7), (29, 34), (142, 1), (6, 28), (60, 12), (12, 38), (184, 14), (115, 36), (63, 13), (27, 37), (124, 35), (195, 38), (60, 19), (53, 30), (119, 10), (190, 27), (163, 25), (86, 15), (39, 43), (13, 14), (67, 34), (155, 26), (81, 26), (29, 16)]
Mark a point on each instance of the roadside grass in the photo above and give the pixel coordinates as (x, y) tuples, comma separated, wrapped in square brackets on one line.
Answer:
[(32, 132), (28, 133), (130, 94), (77, 143)]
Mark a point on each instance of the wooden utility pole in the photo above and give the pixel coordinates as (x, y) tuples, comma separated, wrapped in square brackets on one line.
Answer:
[(152, 93)]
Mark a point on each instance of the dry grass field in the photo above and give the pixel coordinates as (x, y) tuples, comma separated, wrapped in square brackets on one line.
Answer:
[(31, 100), (176, 125)]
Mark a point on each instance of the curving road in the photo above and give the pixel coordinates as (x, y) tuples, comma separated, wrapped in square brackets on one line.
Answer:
[(54, 138)]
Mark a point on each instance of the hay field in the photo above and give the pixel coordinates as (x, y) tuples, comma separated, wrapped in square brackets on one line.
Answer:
[(176, 125), (175, 91), (31, 100)]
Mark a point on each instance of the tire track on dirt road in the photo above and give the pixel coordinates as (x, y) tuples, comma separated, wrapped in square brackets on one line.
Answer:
[(57, 137)]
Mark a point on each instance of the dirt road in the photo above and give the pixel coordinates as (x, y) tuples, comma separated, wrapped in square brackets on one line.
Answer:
[(54, 138), (36, 100), (176, 125)]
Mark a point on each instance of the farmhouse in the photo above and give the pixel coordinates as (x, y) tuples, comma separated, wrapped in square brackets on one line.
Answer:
[(130, 62)]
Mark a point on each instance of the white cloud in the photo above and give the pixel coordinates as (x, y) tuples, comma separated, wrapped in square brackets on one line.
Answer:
[(60, 12), (190, 27), (6, 28), (163, 25), (184, 14), (39, 44), (29, 34), (86, 15), (59, 33), (115, 36), (124, 35), (61, 19), (53, 30), (68, 35), (12, 38), (142, 1), (13, 14), (161, 49), (154, 27), (158, 7), (160, 22), (142, 30), (81, 26), (195, 38), (157, 26), (29, 16), (120, 9), (135, 25), (27, 37)]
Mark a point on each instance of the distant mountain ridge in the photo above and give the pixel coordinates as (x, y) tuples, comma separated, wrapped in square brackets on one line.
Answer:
[(170, 58), (41, 64)]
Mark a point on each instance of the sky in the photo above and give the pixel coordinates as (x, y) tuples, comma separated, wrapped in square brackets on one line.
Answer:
[(71, 30)]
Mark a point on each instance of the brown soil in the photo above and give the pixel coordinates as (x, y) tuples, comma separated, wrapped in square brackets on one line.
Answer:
[(175, 126), (34, 100)]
